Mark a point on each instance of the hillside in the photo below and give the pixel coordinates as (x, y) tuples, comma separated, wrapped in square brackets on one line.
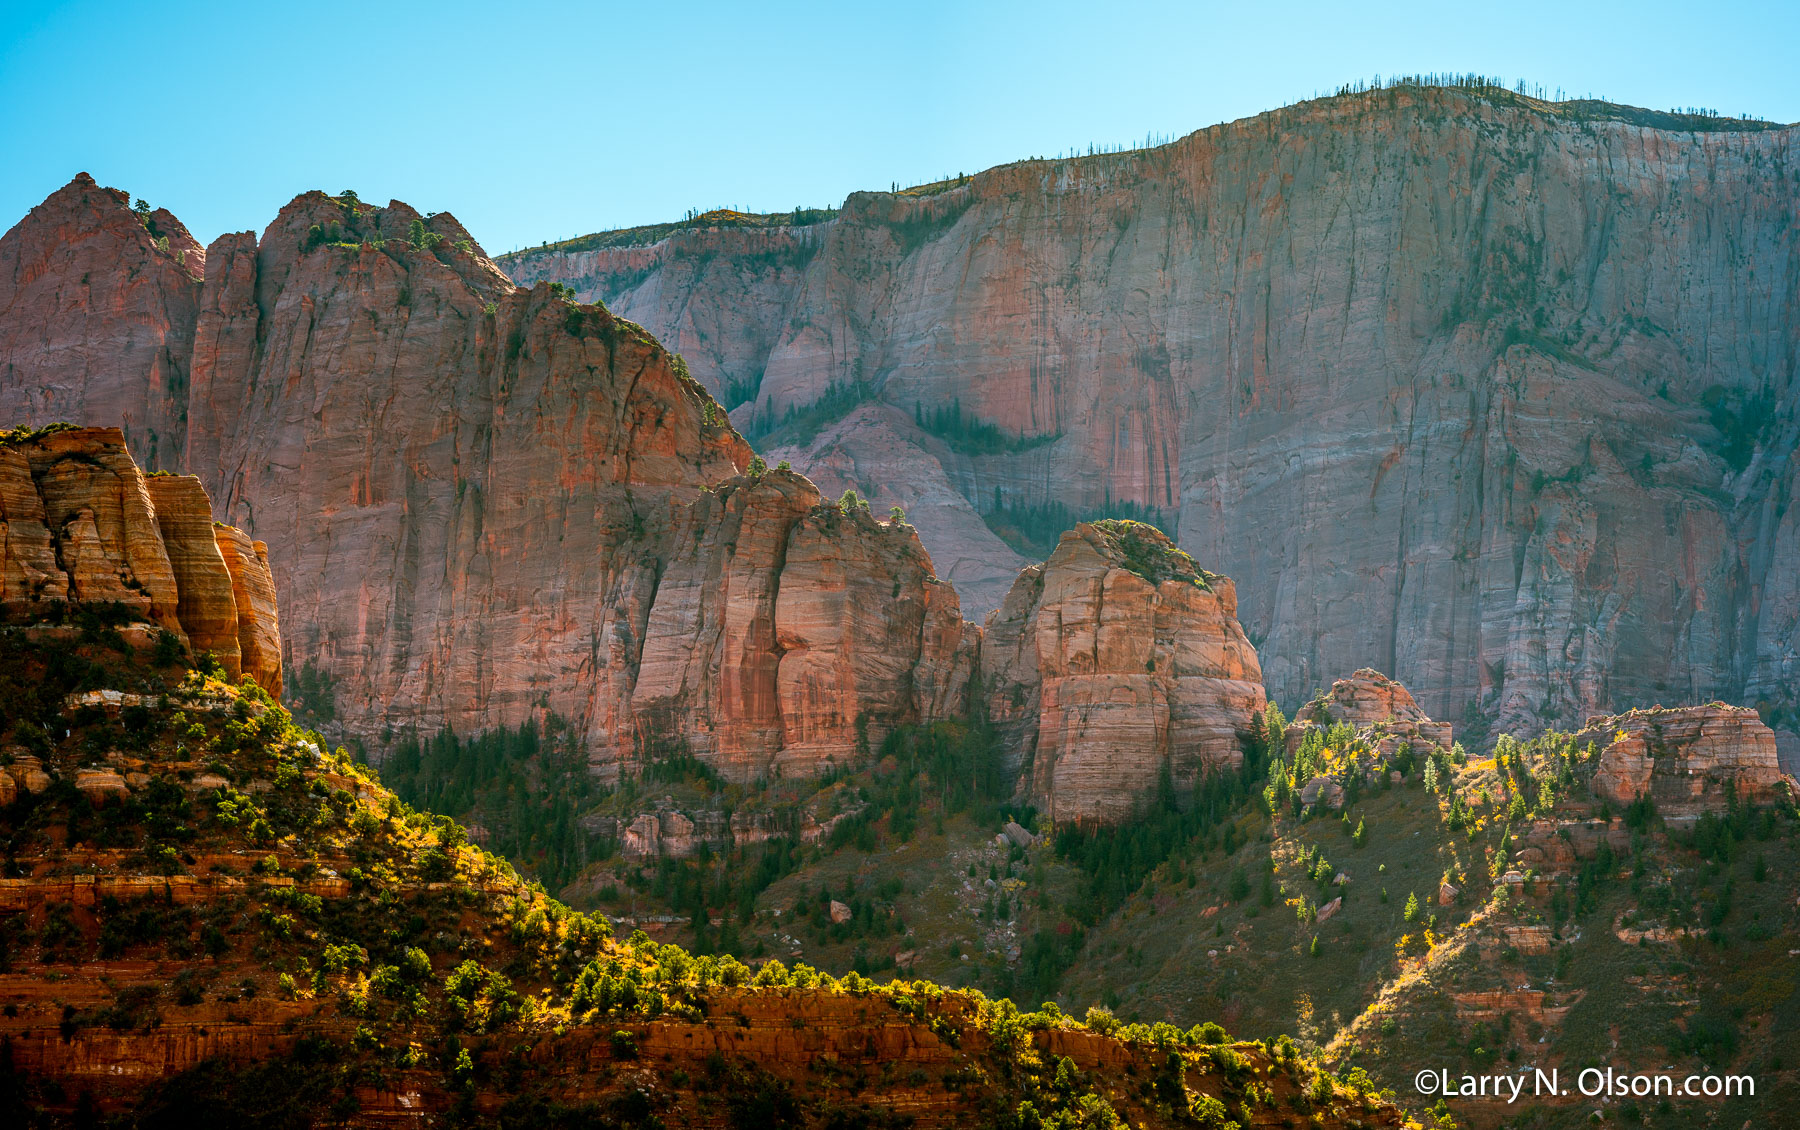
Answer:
[(1446, 378), (207, 914), (1360, 881)]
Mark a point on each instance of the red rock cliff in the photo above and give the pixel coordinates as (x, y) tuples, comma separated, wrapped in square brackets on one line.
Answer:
[(484, 501), (1114, 661), (1685, 759), (788, 633), (1496, 395), (81, 524), (97, 310)]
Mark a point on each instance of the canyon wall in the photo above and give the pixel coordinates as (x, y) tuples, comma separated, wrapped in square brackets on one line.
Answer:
[(482, 501), (82, 525), (1493, 394), (790, 634)]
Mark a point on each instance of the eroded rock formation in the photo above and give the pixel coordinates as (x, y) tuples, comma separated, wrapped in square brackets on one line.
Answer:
[(482, 501), (1381, 710), (1686, 759), (1496, 395), (1114, 662), (82, 525), (788, 633)]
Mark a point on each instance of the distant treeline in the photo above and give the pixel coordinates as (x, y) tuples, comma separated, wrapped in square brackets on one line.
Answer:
[(971, 435), (1034, 528)]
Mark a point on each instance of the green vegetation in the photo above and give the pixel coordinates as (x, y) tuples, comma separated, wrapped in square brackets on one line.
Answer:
[(722, 218), (1034, 528), (971, 435), (1743, 420), (526, 787), (801, 423), (1558, 104), (1152, 554), (312, 694), (28, 434)]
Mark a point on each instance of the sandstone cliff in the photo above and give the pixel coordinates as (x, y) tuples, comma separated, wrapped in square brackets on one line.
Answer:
[(788, 633), (1115, 661), (1495, 394), (1686, 760), (97, 313), (483, 502), (80, 524), (1380, 709)]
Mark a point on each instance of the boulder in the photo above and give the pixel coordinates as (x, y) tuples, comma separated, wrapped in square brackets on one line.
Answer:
[(1017, 835), (1322, 791)]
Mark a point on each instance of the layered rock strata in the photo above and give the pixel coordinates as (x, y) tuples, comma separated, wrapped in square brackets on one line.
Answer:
[(81, 524), (483, 502), (1115, 662), (1686, 759), (1494, 394), (1381, 711)]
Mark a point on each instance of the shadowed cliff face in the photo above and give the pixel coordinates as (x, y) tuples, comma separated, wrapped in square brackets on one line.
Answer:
[(1497, 397), (483, 501)]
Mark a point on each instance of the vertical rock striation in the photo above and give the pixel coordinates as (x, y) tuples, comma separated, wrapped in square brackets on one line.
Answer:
[(1114, 663), (207, 605), (97, 315), (484, 502), (81, 524), (789, 633), (253, 591), (1495, 394)]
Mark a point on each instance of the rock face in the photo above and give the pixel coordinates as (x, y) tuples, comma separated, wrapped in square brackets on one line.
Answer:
[(1116, 661), (208, 599), (788, 634), (1496, 395), (482, 501), (1382, 711), (1685, 759), (97, 313), (81, 524), (253, 591)]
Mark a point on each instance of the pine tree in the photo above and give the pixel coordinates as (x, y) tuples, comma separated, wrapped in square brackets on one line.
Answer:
[(1412, 907)]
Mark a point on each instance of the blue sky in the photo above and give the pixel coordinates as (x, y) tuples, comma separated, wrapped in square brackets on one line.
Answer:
[(545, 121)]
